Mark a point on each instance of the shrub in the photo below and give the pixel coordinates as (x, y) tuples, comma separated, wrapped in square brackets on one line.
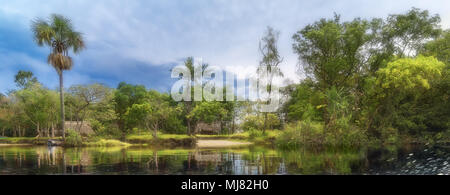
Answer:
[(307, 133), (73, 138), (254, 133), (300, 133), (389, 135)]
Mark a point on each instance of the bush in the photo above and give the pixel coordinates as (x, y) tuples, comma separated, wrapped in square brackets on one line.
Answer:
[(254, 133), (257, 122), (307, 133), (73, 138), (300, 133), (389, 135)]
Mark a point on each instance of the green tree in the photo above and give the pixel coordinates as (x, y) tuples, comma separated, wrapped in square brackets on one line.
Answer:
[(398, 87), (406, 33), (59, 34), (208, 112), (25, 79), (189, 105), (439, 48), (125, 97), (39, 106), (269, 67), (331, 50), (82, 97)]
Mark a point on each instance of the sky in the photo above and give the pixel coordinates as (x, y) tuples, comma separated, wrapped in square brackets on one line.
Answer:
[(139, 41)]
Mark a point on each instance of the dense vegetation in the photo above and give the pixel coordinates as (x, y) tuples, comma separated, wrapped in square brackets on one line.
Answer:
[(380, 80)]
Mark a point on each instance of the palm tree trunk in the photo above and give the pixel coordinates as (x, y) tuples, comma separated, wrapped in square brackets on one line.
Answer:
[(61, 97)]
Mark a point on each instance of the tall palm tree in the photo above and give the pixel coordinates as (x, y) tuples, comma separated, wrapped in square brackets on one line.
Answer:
[(59, 35)]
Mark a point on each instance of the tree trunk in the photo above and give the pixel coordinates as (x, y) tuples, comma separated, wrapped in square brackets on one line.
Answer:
[(38, 130), (53, 130), (48, 131), (61, 97), (265, 122), (189, 127), (233, 128)]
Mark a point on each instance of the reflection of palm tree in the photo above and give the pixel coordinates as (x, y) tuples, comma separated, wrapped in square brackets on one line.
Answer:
[(58, 33)]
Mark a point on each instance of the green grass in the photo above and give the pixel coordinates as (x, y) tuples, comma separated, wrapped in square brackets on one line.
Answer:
[(149, 136), (257, 137), (25, 140), (106, 143)]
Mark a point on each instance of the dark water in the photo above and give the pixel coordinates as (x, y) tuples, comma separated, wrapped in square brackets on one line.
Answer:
[(241, 161)]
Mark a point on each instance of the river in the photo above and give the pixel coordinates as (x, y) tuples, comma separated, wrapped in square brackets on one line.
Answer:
[(248, 160)]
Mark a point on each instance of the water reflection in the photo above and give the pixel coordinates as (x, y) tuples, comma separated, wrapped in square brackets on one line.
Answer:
[(242, 161)]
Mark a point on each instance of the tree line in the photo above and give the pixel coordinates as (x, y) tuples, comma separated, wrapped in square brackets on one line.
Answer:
[(377, 79)]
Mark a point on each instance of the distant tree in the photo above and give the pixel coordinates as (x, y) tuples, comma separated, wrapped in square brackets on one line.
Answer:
[(58, 34), (406, 33), (189, 105), (329, 50), (208, 112), (25, 79), (125, 97), (269, 67), (440, 48), (81, 97)]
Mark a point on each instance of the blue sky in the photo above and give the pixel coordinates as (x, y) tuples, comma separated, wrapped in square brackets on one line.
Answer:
[(139, 41)]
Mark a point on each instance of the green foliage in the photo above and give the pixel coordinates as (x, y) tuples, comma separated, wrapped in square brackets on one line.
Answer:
[(439, 48), (407, 95), (254, 133), (305, 102), (383, 79), (107, 143), (155, 114), (73, 138), (331, 50), (300, 134), (410, 74), (307, 133), (25, 79), (208, 112), (256, 122), (126, 96), (404, 34)]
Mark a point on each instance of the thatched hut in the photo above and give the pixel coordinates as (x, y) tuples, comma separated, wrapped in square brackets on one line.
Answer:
[(208, 129), (84, 128)]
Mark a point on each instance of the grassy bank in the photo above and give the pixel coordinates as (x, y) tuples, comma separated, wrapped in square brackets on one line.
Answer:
[(254, 136), (166, 140), (27, 140)]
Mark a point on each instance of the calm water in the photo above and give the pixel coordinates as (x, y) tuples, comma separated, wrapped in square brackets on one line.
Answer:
[(242, 161)]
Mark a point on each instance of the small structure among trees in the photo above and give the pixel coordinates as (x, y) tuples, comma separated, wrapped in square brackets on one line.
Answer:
[(82, 127), (208, 129)]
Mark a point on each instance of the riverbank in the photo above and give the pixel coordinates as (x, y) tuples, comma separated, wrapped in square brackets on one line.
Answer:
[(162, 140), (269, 138), (221, 143), (26, 140), (257, 138)]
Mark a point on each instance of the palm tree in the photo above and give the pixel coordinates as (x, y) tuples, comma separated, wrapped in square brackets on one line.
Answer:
[(59, 35), (189, 64)]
